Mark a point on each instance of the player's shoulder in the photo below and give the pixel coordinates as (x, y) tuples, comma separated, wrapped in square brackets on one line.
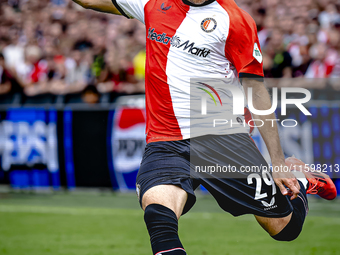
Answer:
[(239, 18)]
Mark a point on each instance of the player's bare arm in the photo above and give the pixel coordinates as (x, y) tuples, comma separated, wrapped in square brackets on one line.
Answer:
[(98, 5), (269, 133)]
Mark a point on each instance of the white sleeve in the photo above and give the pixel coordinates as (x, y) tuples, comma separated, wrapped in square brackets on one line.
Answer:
[(131, 8)]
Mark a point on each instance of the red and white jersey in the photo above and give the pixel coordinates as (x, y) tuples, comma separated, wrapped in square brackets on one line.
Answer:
[(216, 40)]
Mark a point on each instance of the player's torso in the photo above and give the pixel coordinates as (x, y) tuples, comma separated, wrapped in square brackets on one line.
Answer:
[(190, 39), (183, 42)]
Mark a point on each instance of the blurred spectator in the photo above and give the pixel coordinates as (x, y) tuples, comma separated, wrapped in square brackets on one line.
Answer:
[(58, 47), (32, 73), (323, 62), (77, 72), (90, 95), (5, 77), (118, 75), (298, 38), (13, 51), (277, 60), (329, 15)]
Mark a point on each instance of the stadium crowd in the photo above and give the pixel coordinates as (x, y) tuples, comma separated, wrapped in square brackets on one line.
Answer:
[(56, 50)]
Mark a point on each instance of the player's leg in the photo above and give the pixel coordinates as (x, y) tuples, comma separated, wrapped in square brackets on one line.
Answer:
[(163, 205), (251, 189), (273, 225), (165, 191), (288, 228)]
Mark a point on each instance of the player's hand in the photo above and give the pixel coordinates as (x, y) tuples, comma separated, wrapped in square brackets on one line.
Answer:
[(283, 177)]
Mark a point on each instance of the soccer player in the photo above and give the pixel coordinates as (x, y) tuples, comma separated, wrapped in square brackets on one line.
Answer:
[(199, 39)]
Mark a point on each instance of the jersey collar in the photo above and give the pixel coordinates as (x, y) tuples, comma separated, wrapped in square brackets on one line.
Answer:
[(186, 2)]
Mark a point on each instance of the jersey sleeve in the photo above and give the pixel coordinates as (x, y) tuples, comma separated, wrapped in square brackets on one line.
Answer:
[(242, 47), (131, 8)]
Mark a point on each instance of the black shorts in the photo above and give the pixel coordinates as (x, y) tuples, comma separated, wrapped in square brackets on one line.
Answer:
[(237, 176)]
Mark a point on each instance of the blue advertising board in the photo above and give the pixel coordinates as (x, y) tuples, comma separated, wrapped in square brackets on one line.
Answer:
[(29, 143)]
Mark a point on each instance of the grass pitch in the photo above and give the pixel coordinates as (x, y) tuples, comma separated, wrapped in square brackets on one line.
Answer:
[(108, 223)]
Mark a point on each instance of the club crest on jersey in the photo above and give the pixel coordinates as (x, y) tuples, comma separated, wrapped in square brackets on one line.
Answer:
[(208, 25)]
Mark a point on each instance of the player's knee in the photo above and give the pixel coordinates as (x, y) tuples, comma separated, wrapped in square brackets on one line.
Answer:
[(291, 231), (173, 197)]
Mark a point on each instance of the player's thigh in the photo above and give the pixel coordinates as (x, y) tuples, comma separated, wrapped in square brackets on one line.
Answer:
[(170, 196), (164, 176), (273, 225)]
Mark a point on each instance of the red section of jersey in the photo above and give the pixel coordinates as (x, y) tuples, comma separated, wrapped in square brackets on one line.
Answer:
[(162, 124), (130, 117), (241, 39)]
